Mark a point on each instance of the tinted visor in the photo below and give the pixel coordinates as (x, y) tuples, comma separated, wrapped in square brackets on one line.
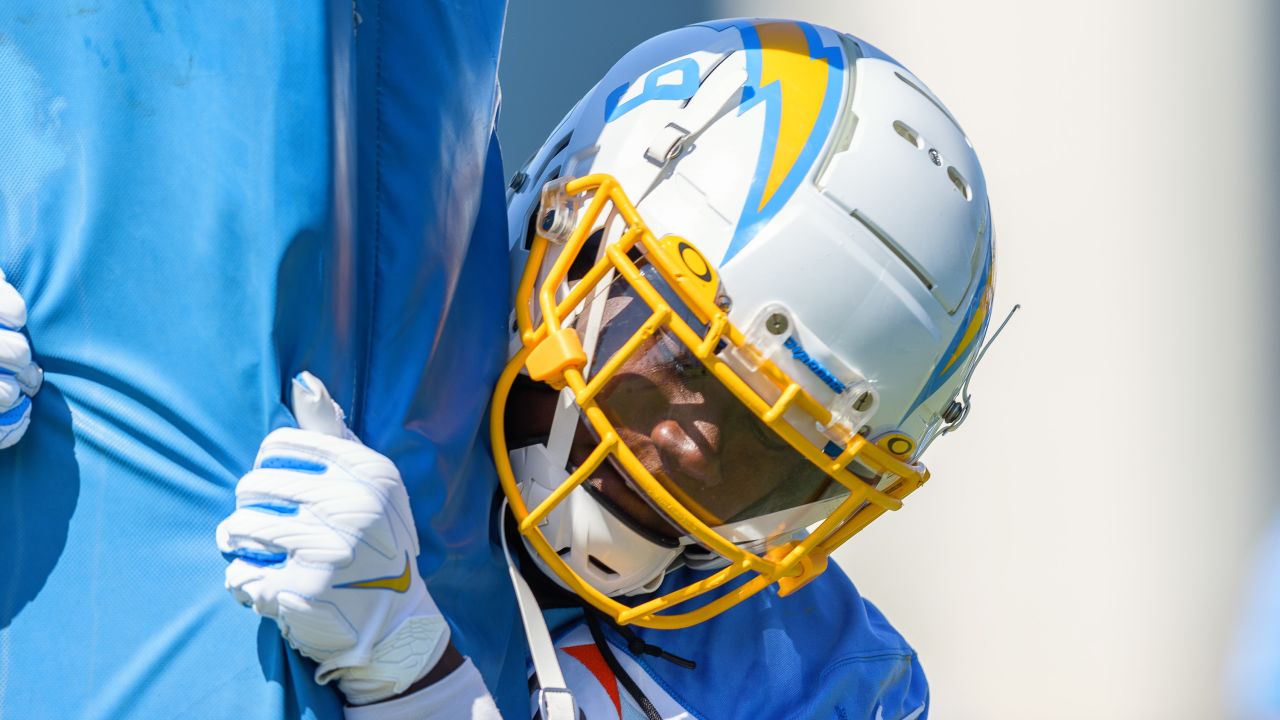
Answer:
[(697, 439)]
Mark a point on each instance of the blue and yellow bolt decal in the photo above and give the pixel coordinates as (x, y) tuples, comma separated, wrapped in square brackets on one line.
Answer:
[(796, 77), (799, 80)]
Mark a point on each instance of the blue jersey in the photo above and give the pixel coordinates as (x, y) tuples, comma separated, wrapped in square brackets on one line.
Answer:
[(822, 653)]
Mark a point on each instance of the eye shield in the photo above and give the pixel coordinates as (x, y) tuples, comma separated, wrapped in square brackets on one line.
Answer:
[(701, 443)]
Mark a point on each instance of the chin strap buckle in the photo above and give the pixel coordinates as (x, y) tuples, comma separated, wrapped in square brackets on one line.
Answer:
[(556, 703)]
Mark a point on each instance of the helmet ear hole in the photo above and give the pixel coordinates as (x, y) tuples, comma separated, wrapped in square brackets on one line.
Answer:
[(597, 564)]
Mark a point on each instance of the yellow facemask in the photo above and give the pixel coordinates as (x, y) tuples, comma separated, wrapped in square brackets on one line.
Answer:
[(552, 353)]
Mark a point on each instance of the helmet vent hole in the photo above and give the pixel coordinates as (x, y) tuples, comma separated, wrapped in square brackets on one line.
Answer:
[(595, 562), (930, 98), (587, 257), (541, 173), (908, 134), (532, 229), (958, 180), (562, 551), (893, 246)]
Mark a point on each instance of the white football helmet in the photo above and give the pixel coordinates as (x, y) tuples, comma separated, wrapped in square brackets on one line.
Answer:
[(790, 219)]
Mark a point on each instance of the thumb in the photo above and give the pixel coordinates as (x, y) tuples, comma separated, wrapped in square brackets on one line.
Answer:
[(315, 410)]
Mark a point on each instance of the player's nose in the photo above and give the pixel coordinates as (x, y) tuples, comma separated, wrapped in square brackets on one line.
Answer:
[(683, 454)]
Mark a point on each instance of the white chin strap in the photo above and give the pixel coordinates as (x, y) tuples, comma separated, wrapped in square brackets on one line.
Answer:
[(555, 702)]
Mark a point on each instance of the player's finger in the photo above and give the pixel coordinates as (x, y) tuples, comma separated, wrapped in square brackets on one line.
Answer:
[(307, 456), (241, 532), (368, 510), (30, 379), (281, 478), (13, 309), (13, 385), (248, 529), (301, 536), (264, 485), (248, 579), (10, 392), (311, 452), (317, 411), (14, 422), (15, 353), (296, 451)]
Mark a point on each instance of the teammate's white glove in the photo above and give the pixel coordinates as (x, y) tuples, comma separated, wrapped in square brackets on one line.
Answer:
[(324, 543), (20, 377)]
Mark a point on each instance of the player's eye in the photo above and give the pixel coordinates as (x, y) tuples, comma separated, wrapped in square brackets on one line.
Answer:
[(686, 367), (767, 437)]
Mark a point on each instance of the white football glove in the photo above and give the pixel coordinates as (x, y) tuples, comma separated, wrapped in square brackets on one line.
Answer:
[(324, 543), (20, 377)]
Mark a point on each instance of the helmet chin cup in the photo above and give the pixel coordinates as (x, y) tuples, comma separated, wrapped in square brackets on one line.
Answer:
[(594, 544)]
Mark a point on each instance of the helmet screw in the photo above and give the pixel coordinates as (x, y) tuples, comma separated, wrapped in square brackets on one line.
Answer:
[(935, 156), (863, 402), (724, 303), (776, 323), (864, 431), (675, 150), (953, 412), (548, 220)]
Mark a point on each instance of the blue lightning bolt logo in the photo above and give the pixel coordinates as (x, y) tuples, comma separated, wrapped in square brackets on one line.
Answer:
[(799, 80)]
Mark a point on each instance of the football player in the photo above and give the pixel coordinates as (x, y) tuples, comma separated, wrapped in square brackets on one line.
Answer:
[(753, 276)]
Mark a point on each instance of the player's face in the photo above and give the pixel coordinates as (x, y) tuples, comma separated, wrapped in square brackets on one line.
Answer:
[(698, 440)]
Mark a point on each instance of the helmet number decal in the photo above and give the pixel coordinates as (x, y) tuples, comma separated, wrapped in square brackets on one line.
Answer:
[(655, 89)]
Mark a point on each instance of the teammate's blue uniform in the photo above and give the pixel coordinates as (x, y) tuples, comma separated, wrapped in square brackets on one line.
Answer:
[(199, 200)]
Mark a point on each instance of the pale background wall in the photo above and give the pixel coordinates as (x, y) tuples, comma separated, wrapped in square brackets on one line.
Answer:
[(1080, 550)]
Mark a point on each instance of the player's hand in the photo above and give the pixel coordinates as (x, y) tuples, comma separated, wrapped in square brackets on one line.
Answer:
[(20, 377), (323, 542)]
